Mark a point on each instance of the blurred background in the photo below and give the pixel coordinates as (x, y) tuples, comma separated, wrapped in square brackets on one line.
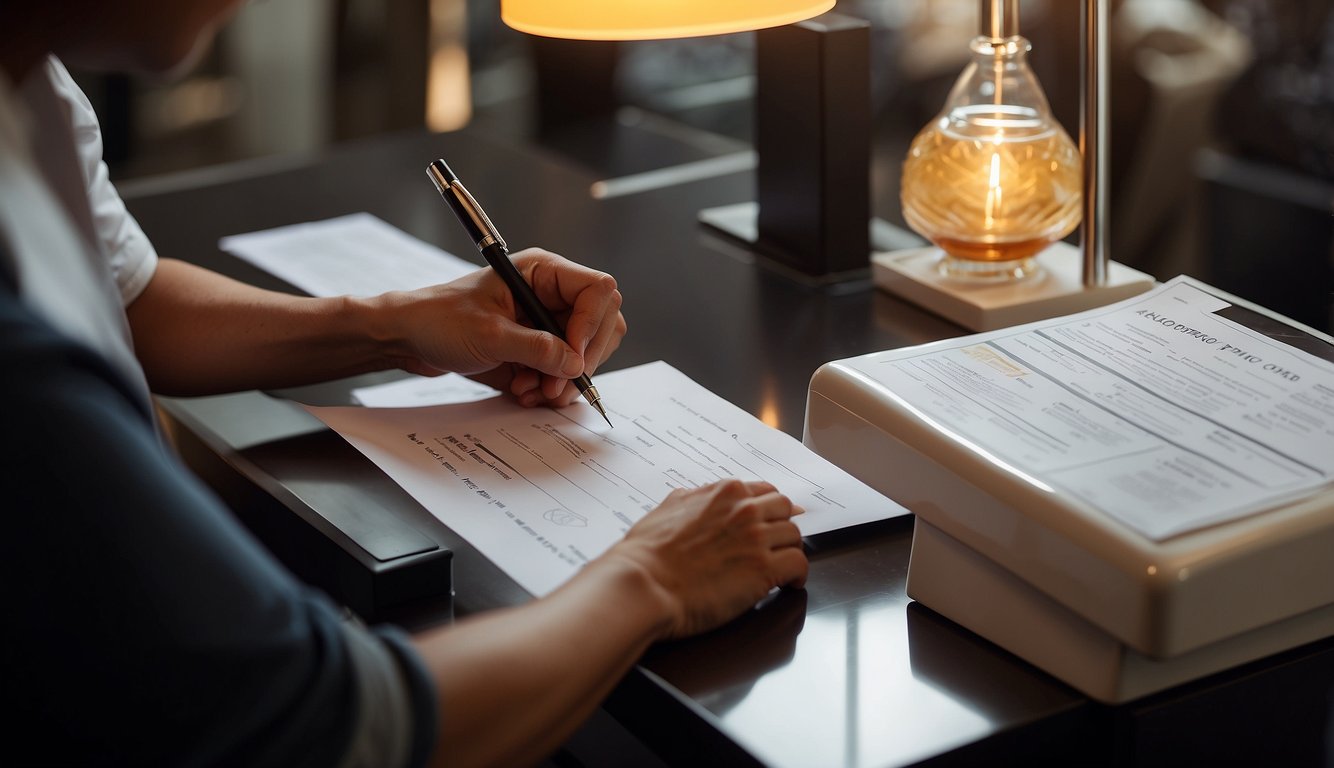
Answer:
[(1222, 110)]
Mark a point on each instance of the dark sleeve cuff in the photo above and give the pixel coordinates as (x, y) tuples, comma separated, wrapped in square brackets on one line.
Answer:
[(425, 706)]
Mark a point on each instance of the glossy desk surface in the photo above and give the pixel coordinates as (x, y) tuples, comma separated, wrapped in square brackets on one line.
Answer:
[(845, 673)]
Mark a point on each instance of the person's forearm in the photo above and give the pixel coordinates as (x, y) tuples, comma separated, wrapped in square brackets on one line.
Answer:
[(571, 647), (197, 332)]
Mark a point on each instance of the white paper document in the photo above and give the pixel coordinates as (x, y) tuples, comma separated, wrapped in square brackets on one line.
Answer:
[(416, 391), (542, 491), (1169, 411), (354, 255)]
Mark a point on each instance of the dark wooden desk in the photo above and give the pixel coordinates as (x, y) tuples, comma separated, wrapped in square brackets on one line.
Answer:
[(846, 673)]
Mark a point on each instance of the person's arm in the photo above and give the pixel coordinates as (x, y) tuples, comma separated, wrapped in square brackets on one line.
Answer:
[(142, 601), (513, 685), (198, 332)]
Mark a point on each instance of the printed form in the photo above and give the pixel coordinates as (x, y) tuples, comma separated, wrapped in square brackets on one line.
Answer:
[(1170, 411), (541, 491)]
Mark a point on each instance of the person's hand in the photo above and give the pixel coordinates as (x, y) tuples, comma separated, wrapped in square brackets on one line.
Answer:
[(472, 326), (714, 551)]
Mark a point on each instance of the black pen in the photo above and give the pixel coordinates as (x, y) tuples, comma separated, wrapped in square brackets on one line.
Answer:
[(496, 253)]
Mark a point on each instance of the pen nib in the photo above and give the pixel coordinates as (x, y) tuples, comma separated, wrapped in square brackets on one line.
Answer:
[(595, 400), (598, 405)]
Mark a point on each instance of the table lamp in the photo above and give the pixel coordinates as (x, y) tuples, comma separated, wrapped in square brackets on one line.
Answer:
[(628, 20), (812, 119), (994, 183)]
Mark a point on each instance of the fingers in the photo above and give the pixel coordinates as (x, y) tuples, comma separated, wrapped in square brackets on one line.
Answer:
[(781, 507), (790, 567), (594, 326), (759, 487), (593, 313), (758, 503), (782, 533), (773, 513), (486, 338), (770, 507), (598, 328), (533, 388), (717, 549), (773, 516), (607, 340), (561, 283), (765, 514), (553, 387), (529, 347), (524, 386)]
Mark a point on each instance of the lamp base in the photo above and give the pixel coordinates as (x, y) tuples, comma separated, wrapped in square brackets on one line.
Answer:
[(740, 221), (1056, 289)]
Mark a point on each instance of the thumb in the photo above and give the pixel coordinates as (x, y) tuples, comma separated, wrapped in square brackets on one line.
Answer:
[(539, 350)]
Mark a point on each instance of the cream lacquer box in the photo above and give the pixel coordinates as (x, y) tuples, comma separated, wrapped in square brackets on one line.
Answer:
[(1038, 565)]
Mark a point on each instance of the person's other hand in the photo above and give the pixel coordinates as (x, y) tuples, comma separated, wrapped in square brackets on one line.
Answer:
[(716, 550), (473, 327)]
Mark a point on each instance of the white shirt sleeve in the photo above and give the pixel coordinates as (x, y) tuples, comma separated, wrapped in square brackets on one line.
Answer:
[(129, 253)]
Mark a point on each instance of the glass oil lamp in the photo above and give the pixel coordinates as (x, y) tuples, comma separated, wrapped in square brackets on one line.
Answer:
[(994, 179)]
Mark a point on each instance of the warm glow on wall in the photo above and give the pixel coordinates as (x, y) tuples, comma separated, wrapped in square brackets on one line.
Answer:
[(652, 19)]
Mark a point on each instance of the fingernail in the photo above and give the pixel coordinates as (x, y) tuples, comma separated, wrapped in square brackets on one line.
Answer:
[(573, 365)]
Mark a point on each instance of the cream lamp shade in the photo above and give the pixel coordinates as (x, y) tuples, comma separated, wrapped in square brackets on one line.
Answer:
[(652, 19)]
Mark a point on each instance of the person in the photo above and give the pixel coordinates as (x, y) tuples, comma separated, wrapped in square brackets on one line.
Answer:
[(147, 626)]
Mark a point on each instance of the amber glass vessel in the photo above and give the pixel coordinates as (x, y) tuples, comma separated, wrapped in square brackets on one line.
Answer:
[(994, 179)]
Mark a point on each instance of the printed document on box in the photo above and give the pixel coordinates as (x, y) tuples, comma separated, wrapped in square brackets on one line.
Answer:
[(1171, 411), (542, 491)]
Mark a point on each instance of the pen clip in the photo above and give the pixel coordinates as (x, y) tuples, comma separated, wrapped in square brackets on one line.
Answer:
[(479, 217), (479, 225)]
